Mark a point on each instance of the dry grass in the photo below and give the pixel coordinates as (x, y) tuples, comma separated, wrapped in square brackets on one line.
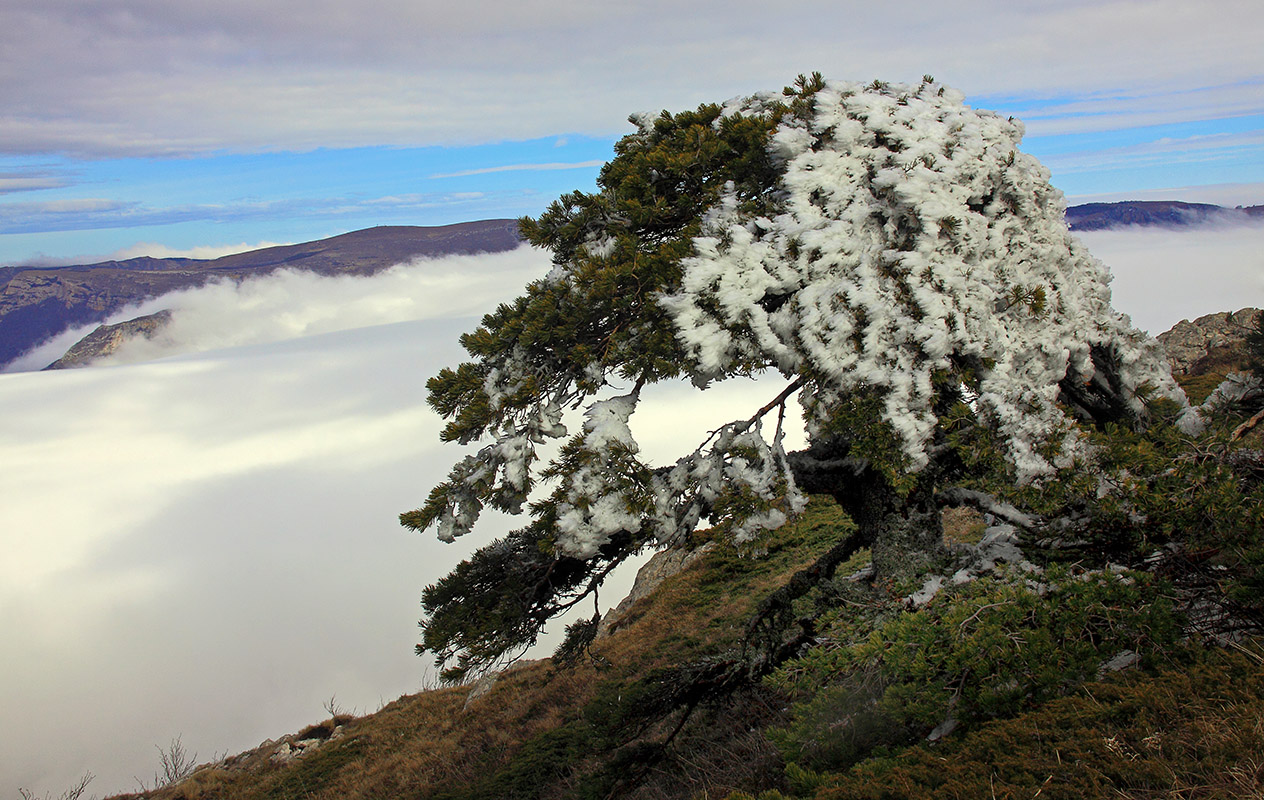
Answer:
[(434, 742)]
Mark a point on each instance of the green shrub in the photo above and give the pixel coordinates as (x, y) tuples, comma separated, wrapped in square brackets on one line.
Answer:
[(1191, 730), (989, 649)]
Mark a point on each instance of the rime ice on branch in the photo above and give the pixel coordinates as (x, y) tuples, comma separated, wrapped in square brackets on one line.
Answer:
[(886, 248)]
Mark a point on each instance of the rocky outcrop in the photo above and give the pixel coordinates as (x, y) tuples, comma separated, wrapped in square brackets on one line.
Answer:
[(659, 568), (107, 339), (1194, 347)]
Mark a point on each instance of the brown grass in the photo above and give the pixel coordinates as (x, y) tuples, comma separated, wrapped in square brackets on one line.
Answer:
[(432, 741)]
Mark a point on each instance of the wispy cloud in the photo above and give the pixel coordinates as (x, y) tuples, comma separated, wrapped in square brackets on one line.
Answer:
[(1094, 111), (519, 168), (29, 183), (98, 213), (409, 74), (156, 250), (1162, 151)]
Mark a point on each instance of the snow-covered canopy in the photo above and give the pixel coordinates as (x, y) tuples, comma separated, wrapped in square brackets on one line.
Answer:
[(884, 246), (911, 233)]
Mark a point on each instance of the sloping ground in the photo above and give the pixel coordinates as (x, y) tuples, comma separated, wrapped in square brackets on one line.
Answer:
[(1192, 729), (1127, 661), (548, 730), (653, 711), (36, 303)]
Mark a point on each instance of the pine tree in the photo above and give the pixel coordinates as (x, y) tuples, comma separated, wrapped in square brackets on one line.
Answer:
[(887, 249)]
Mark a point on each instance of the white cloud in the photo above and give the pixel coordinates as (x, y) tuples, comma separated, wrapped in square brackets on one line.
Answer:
[(555, 165), (152, 77), (156, 250), (28, 183), (290, 304), (208, 546), (1162, 276), (1160, 152)]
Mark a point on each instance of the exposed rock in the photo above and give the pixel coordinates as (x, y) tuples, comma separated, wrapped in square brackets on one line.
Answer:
[(106, 339), (485, 683), (659, 568), (1193, 346), (1122, 660), (283, 753), (292, 749)]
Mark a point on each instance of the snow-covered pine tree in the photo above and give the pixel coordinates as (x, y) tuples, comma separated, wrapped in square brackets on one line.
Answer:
[(886, 248)]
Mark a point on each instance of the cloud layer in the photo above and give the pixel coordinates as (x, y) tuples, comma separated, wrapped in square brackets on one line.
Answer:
[(1162, 276), (129, 77), (290, 304)]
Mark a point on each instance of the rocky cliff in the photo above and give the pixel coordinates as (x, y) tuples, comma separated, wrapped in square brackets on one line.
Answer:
[(1194, 348), (106, 339)]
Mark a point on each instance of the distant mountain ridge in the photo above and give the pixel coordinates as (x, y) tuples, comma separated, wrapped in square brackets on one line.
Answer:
[(39, 302), (1165, 213)]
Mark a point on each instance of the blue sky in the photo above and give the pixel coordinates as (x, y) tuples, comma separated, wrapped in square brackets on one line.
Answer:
[(139, 126), (109, 205)]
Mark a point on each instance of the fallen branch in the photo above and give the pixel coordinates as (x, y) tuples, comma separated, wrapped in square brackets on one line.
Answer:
[(1241, 430)]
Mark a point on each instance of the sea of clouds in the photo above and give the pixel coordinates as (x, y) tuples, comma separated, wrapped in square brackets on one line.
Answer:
[(200, 536), (204, 543)]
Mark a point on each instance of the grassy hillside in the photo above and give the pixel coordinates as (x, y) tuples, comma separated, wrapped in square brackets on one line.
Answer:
[(1124, 661)]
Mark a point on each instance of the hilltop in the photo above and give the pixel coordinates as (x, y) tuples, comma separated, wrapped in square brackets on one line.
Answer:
[(38, 302), (1161, 213)]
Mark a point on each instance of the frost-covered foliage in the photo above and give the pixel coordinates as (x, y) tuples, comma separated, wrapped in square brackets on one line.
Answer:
[(886, 248), (911, 237)]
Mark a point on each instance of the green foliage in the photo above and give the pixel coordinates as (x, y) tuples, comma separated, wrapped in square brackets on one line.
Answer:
[(498, 600), (624, 245), (561, 342), (1255, 346), (1160, 486), (988, 649), (579, 635), (1191, 730), (539, 762)]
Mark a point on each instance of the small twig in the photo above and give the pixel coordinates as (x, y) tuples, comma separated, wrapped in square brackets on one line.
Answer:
[(975, 615)]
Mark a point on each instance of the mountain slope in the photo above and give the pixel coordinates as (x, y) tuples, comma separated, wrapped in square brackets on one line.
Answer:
[(36, 302), (1126, 662), (1166, 213), (672, 705)]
